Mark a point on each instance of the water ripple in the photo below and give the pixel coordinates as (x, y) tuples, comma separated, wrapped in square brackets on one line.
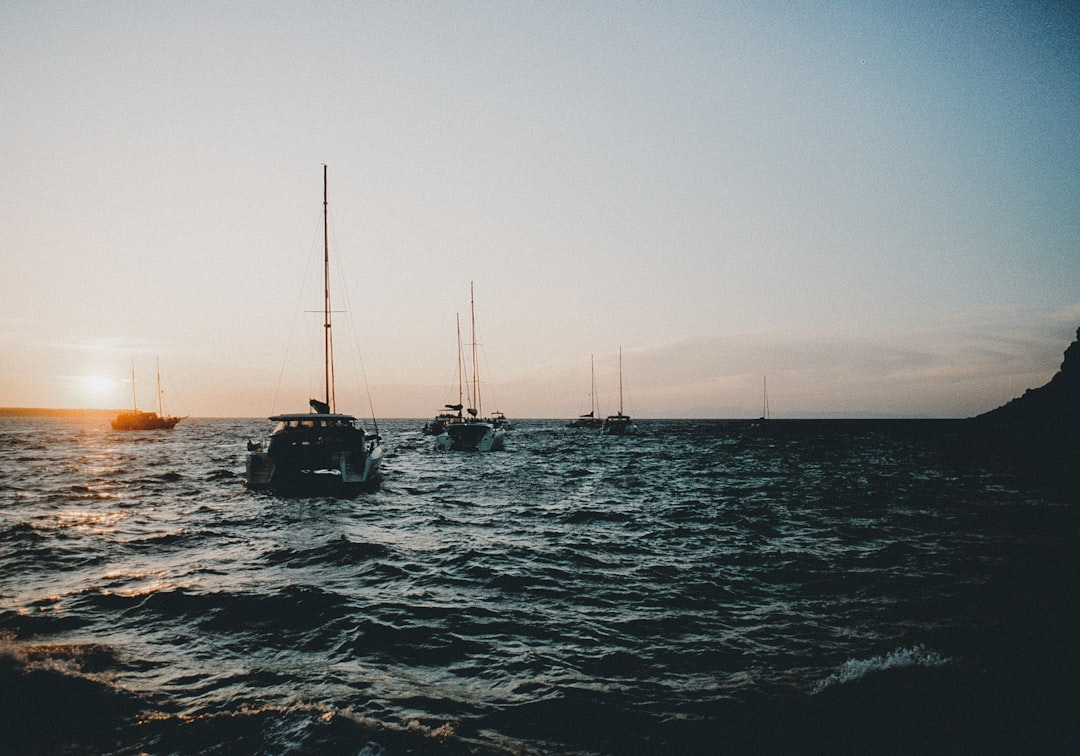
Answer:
[(572, 594)]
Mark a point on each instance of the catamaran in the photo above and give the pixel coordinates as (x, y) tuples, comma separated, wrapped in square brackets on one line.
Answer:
[(620, 424), (320, 451), (471, 431)]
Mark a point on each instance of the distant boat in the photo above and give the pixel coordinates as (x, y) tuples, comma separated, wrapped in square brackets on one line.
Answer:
[(764, 419), (764, 398), (592, 418), (320, 451), (136, 419), (438, 424), (471, 431), (620, 424), (501, 421), (450, 413)]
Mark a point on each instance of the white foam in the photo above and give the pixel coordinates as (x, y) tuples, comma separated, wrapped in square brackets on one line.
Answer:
[(855, 669)]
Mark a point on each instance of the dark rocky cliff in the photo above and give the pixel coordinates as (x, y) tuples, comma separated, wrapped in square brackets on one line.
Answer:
[(1054, 407), (1037, 434)]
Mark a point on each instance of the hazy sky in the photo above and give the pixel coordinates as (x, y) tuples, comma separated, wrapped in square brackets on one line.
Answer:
[(877, 205)]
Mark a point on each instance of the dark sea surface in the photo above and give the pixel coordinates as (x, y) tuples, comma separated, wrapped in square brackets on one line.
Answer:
[(705, 587)]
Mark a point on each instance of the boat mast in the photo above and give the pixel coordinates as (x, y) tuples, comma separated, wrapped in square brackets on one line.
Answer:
[(460, 366), (134, 401), (595, 408), (765, 397), (160, 411), (475, 369), (328, 342), (620, 380)]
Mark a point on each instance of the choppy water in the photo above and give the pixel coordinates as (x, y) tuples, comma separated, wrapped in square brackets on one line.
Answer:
[(704, 588)]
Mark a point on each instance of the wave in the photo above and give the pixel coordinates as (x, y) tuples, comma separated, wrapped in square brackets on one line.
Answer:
[(856, 669), (696, 589), (41, 686), (342, 552)]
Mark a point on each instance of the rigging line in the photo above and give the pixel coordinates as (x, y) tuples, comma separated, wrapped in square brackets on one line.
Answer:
[(344, 291), (489, 384), (292, 328), (452, 372), (360, 362), (169, 390)]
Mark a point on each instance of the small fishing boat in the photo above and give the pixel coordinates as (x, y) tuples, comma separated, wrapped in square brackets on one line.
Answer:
[(138, 420), (320, 451), (620, 424), (592, 418), (471, 431)]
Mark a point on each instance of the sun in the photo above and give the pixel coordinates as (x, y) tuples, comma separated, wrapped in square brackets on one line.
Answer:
[(98, 392)]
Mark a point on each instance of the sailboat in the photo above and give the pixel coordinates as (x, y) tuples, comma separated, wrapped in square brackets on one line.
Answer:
[(136, 419), (764, 398), (591, 419), (450, 413), (472, 431), (620, 424), (764, 419), (320, 451)]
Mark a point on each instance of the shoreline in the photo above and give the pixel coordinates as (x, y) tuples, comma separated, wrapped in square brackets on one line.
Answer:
[(46, 412)]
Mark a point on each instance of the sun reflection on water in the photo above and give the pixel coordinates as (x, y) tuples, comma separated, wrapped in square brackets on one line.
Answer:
[(95, 523)]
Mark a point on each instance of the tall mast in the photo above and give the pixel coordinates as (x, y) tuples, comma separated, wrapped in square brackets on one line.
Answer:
[(460, 365), (595, 408), (134, 401), (160, 411), (328, 344), (620, 380), (765, 397), (475, 369)]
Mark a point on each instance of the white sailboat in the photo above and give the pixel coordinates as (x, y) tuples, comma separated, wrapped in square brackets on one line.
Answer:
[(320, 451), (592, 418), (620, 424), (472, 431), (451, 413)]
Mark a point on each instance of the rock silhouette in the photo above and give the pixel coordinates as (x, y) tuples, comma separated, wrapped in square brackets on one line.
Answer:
[(1038, 433), (1055, 406)]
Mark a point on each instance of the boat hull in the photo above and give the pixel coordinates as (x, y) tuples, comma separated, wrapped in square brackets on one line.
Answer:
[(340, 477), (316, 454), (468, 436), (138, 420), (438, 425), (619, 425)]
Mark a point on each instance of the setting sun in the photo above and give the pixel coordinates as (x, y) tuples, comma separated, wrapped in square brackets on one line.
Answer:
[(97, 392)]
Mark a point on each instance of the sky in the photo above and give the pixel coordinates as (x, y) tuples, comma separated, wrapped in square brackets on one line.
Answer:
[(874, 206)]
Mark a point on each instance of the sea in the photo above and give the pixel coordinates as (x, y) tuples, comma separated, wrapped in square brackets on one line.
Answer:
[(703, 587)]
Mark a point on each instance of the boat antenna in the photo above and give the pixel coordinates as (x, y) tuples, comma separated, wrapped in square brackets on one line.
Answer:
[(328, 341)]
